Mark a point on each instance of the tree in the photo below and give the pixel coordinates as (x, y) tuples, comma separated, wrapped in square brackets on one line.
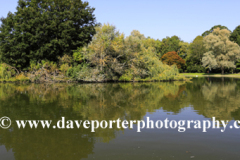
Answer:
[(172, 58), (143, 62), (195, 53), (104, 54), (169, 44), (150, 42), (45, 29), (183, 49), (137, 34), (214, 27), (110, 56), (222, 53), (238, 65), (197, 49), (235, 36)]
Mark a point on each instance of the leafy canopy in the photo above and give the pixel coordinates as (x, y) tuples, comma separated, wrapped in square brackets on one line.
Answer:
[(111, 56), (45, 29), (235, 36), (222, 53), (214, 27), (183, 49), (195, 53), (172, 58), (169, 44)]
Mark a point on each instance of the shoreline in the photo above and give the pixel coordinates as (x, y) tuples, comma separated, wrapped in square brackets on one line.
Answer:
[(210, 75), (85, 82)]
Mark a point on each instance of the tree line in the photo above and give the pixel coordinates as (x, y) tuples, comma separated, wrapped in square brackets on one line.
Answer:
[(46, 39)]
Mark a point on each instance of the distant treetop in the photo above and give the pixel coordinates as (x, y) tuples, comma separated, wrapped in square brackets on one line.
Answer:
[(235, 36), (214, 27)]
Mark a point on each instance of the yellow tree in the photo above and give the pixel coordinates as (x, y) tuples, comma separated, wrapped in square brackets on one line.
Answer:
[(100, 45), (105, 53), (222, 53)]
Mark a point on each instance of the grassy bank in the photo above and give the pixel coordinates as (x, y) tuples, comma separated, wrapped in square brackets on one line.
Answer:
[(236, 75)]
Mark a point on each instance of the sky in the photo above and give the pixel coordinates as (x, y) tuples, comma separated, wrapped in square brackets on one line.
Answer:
[(160, 18)]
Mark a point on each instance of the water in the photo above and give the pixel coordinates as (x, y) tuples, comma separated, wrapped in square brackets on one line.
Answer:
[(201, 99)]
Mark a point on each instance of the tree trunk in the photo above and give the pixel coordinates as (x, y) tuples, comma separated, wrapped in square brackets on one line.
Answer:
[(222, 70)]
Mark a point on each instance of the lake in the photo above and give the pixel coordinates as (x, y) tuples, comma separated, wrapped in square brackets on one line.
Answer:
[(201, 99)]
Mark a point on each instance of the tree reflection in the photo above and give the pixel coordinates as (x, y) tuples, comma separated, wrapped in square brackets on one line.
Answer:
[(217, 99), (109, 101)]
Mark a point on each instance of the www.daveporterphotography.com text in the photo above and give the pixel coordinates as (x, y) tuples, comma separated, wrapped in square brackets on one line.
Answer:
[(180, 125)]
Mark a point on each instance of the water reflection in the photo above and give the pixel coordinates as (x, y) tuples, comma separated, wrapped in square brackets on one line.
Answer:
[(215, 98), (131, 101)]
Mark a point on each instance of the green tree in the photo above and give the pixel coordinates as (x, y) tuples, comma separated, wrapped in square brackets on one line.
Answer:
[(235, 36), (110, 56), (197, 49), (137, 34), (169, 44), (150, 42), (183, 49), (45, 29), (214, 27), (238, 65), (143, 62), (222, 53), (194, 55)]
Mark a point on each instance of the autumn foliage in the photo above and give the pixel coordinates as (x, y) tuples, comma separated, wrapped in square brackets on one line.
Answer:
[(171, 58)]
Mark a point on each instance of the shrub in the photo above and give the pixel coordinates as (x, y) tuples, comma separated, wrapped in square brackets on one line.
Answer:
[(64, 67), (21, 77), (65, 59), (6, 71), (72, 72)]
